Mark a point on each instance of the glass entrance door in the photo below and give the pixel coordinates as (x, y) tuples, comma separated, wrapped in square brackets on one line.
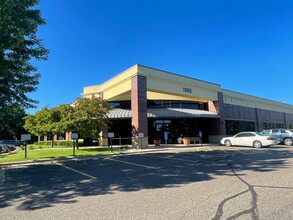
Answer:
[(162, 126)]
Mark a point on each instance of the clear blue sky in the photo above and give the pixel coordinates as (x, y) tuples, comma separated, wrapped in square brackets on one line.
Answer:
[(243, 45)]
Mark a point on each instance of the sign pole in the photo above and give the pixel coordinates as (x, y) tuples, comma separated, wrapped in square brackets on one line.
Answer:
[(25, 137), (73, 147), (25, 150), (74, 137), (111, 145)]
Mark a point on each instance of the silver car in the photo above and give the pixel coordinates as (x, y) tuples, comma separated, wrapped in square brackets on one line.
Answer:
[(5, 148), (284, 136), (253, 139)]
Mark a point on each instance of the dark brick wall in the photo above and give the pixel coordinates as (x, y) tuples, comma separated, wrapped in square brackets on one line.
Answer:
[(259, 116), (289, 119), (238, 112)]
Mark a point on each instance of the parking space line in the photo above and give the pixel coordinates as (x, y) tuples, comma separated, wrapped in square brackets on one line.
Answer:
[(74, 170), (135, 164), (185, 160)]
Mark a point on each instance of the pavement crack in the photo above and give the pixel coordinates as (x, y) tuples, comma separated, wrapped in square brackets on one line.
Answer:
[(253, 210)]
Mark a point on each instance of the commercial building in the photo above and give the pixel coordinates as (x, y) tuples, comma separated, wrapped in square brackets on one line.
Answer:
[(151, 103)]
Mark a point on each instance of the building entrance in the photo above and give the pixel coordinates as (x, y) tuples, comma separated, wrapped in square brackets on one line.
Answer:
[(185, 127)]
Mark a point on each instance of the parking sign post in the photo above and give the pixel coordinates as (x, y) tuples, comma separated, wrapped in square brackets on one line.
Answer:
[(74, 137), (111, 135), (25, 137)]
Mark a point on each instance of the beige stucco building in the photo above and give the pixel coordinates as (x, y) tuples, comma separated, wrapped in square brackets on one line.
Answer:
[(157, 104)]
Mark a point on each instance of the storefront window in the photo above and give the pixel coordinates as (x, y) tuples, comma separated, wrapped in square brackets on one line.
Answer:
[(270, 125), (233, 127)]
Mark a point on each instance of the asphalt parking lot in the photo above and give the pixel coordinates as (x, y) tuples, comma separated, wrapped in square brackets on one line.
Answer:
[(205, 182)]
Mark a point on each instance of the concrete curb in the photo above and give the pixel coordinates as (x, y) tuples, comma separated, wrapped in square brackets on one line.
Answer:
[(98, 156)]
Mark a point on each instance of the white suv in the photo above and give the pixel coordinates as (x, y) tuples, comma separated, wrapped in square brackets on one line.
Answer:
[(285, 136)]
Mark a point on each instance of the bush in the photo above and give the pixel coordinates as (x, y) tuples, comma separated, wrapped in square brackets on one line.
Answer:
[(63, 143), (59, 143), (44, 143)]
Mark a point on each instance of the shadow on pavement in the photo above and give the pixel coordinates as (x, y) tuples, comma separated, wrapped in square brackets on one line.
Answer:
[(42, 186)]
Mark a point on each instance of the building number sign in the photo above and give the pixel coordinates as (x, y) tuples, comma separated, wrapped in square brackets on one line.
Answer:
[(187, 90)]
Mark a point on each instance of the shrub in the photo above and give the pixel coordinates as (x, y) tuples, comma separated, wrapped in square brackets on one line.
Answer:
[(44, 143), (59, 143), (63, 143)]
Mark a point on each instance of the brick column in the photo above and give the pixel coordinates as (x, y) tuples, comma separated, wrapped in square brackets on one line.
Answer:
[(258, 120), (139, 110), (213, 107), (221, 111), (68, 136), (285, 121)]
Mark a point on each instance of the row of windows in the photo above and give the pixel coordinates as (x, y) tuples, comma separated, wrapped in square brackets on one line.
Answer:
[(234, 127), (159, 104), (172, 104), (270, 125)]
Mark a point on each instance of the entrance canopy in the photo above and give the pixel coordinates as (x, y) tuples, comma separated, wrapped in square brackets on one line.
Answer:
[(164, 112)]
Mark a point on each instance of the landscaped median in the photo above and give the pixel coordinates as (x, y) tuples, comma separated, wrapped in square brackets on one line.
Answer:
[(35, 152)]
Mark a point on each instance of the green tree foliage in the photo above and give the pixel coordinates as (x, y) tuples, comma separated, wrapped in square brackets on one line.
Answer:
[(89, 115), (40, 124), (19, 21), (44, 122), (85, 116), (62, 117), (11, 123)]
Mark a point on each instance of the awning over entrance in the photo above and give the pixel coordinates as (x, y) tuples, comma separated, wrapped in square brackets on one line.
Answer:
[(163, 113)]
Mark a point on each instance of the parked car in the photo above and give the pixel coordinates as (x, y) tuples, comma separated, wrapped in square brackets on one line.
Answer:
[(6, 148), (12, 142), (285, 136), (253, 139), (95, 142), (3, 148)]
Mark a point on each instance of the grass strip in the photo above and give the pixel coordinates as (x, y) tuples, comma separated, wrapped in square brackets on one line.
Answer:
[(51, 153)]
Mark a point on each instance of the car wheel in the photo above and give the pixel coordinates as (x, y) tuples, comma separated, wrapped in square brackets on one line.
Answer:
[(228, 143), (257, 144), (288, 141)]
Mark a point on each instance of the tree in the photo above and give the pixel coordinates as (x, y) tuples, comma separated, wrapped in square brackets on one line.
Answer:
[(39, 124), (11, 123), (89, 115), (85, 116), (19, 21), (50, 121), (62, 117)]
